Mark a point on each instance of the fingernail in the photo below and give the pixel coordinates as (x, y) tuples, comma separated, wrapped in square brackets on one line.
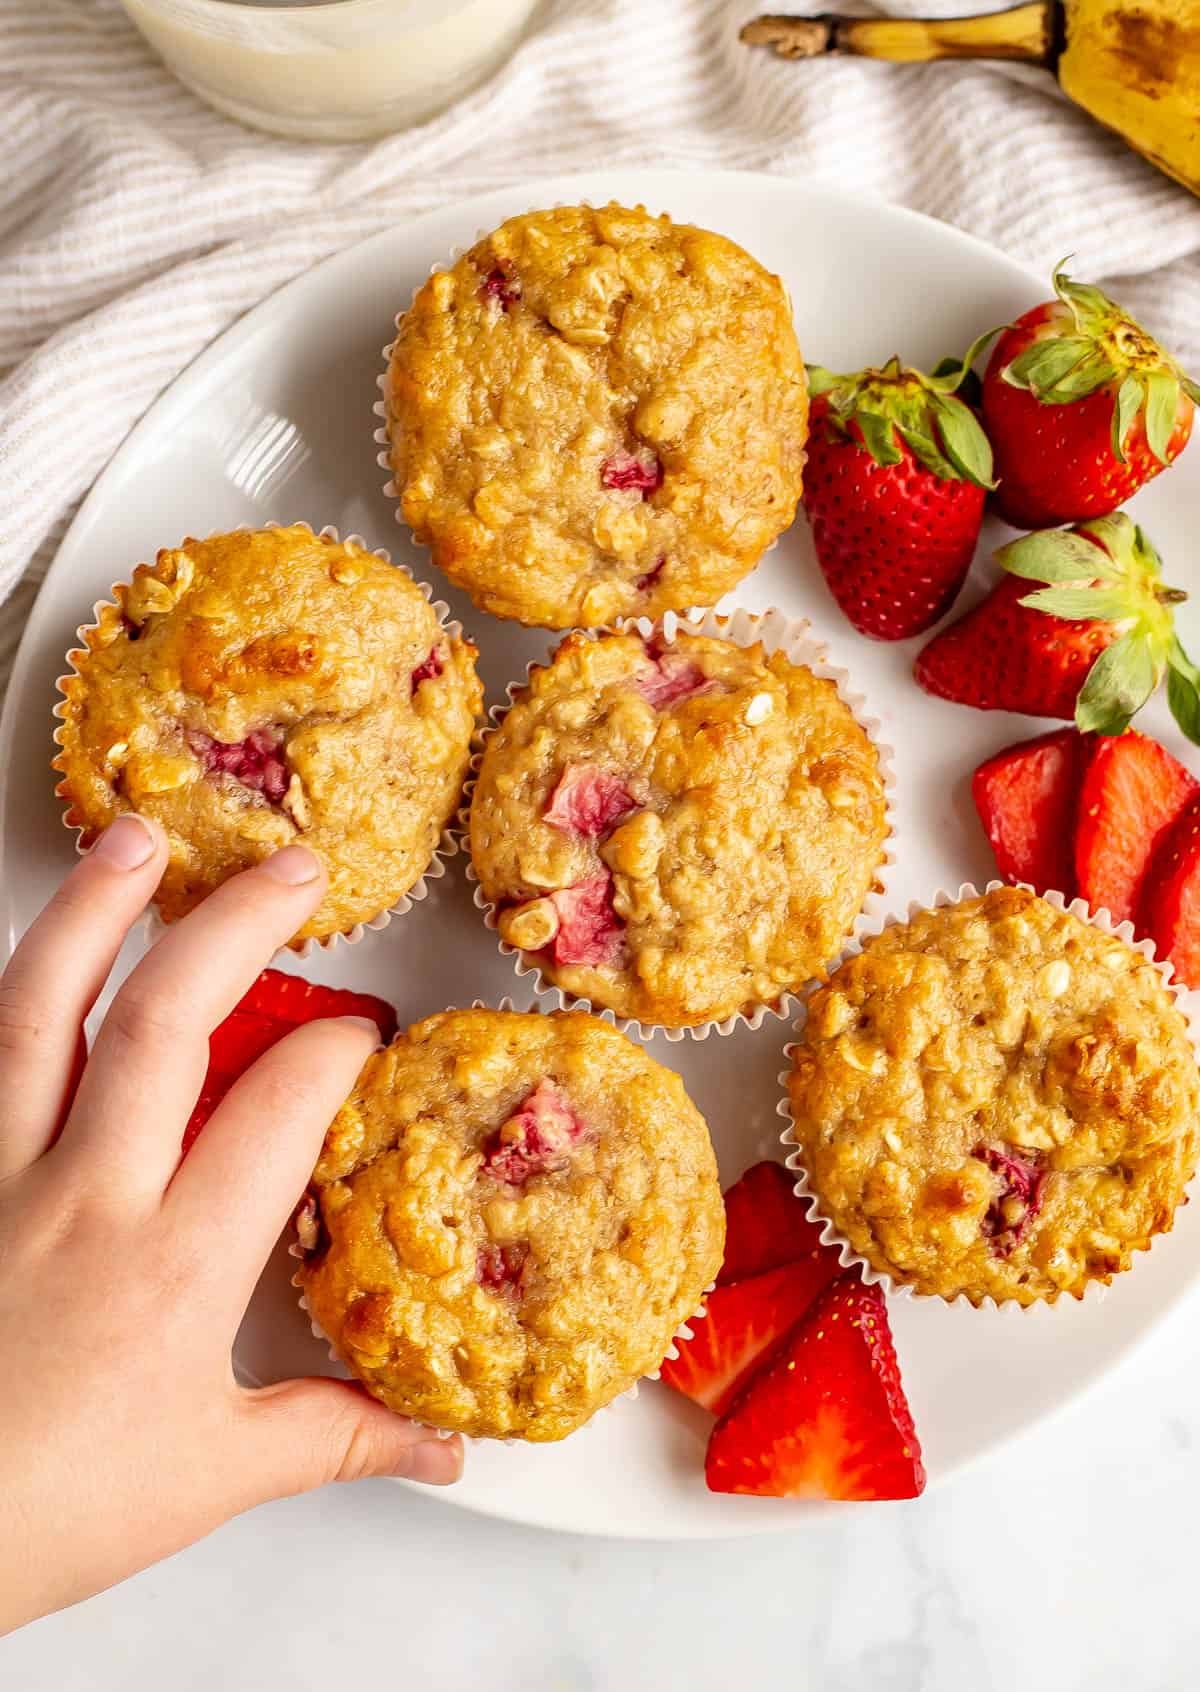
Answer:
[(436, 1462), (365, 1023), (127, 843), (294, 866)]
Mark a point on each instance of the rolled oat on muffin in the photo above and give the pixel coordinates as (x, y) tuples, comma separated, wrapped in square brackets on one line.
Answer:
[(512, 1216), (597, 413), (264, 688), (677, 831), (996, 1099)]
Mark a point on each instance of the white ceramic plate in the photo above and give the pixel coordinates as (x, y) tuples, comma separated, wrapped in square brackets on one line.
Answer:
[(274, 421)]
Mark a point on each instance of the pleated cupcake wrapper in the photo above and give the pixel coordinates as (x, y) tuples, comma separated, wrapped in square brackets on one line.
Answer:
[(1184, 999), (778, 633), (380, 408), (448, 844), (683, 1332)]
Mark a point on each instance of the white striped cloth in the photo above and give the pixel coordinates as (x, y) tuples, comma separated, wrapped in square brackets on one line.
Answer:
[(135, 223)]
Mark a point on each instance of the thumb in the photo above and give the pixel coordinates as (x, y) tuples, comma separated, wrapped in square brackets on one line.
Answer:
[(304, 1433)]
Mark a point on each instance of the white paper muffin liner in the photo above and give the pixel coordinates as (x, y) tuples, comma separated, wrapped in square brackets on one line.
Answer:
[(383, 383), (794, 637), (449, 842), (344, 1372), (1186, 1001)]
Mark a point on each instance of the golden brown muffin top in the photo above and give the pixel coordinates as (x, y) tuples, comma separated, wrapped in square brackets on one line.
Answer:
[(677, 832), (264, 688), (997, 1099), (596, 413), (512, 1215)]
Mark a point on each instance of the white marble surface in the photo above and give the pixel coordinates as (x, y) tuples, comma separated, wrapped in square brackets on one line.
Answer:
[(1064, 1564)]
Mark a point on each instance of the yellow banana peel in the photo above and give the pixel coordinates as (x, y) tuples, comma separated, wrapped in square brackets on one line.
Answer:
[(1133, 65)]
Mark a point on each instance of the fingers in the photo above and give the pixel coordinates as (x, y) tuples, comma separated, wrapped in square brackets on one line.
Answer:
[(251, 1162), (302, 1434), (150, 1057), (55, 976)]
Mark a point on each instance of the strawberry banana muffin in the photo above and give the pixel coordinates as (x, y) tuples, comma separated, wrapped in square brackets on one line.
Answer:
[(677, 832), (596, 413), (996, 1099), (511, 1217), (259, 689)]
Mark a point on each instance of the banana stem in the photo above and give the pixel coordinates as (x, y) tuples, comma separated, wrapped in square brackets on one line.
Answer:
[(1028, 33)]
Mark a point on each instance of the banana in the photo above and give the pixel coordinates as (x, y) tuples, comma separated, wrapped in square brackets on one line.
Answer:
[(1133, 65)]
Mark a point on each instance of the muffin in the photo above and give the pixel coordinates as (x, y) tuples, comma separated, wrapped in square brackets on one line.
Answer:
[(511, 1217), (595, 413), (677, 832), (259, 689), (996, 1099)]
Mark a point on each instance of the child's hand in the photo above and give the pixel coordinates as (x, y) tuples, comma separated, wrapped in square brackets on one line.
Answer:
[(123, 1276)]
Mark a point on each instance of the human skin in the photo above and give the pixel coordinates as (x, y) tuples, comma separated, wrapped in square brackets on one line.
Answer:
[(124, 1274)]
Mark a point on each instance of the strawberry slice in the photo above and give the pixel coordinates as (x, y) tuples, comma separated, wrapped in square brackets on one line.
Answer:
[(765, 1224), (1133, 790), (1028, 798), (744, 1325), (274, 1006), (827, 1418), (1173, 907)]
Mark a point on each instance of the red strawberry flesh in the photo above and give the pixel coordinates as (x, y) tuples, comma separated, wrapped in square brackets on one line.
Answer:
[(589, 930), (827, 1417), (671, 677), (427, 670), (276, 1004), (766, 1225), (256, 761), (628, 470), (1028, 798), (501, 285), (1173, 906), (501, 1268), (1012, 1210), (1132, 793), (743, 1326), (587, 801), (537, 1139)]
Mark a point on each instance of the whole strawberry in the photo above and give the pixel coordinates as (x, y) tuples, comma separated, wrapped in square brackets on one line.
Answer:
[(898, 468), (1082, 407), (1094, 644)]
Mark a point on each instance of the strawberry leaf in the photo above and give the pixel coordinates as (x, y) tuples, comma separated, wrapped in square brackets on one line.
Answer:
[(963, 440), (1129, 403), (879, 437), (927, 453), (1191, 389), (1117, 686), (1052, 555), (1046, 363), (820, 380), (1183, 696), (1162, 398), (1087, 377), (1078, 603)]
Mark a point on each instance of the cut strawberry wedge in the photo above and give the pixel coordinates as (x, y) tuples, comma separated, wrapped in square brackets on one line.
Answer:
[(1173, 905), (744, 1324), (274, 1006), (1028, 798), (827, 1417), (1133, 791), (765, 1224)]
